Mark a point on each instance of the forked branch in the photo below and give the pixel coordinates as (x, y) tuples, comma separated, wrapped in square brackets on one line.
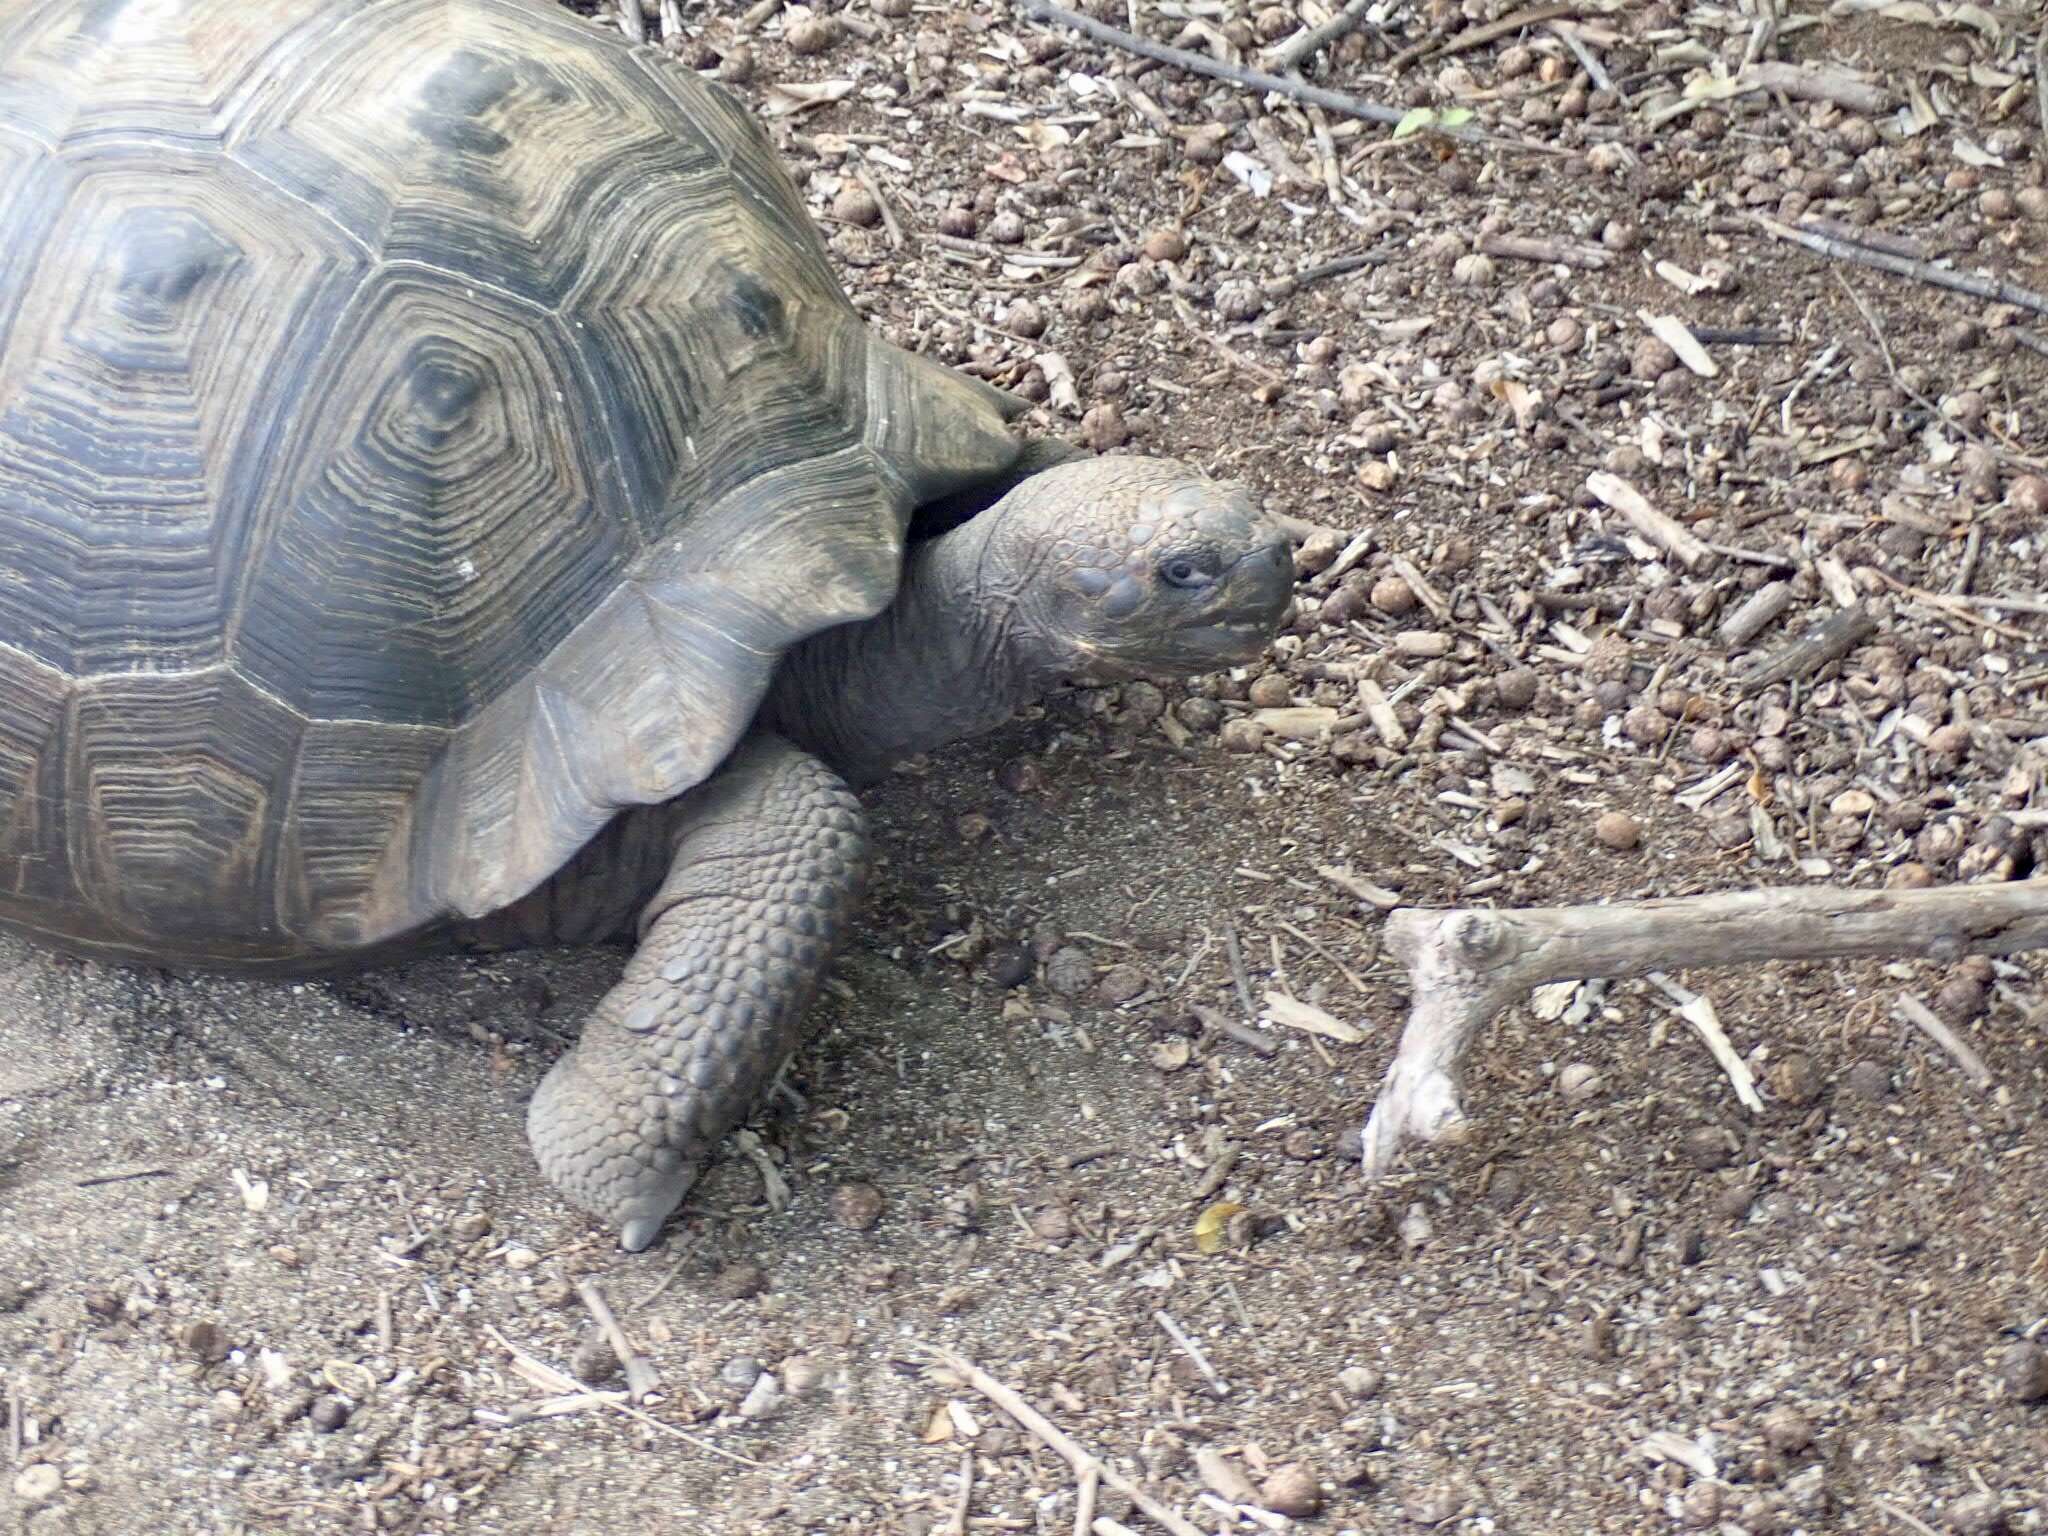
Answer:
[(1466, 964)]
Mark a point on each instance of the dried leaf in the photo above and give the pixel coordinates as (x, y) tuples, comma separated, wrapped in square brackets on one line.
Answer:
[(789, 99), (1255, 177), (1044, 136), (939, 1427), (1520, 399), (1212, 1226)]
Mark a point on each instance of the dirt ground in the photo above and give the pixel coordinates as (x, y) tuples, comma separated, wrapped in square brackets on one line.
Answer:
[(274, 1254)]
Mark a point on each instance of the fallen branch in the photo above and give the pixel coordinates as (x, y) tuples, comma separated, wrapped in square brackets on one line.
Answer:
[(1259, 80), (1833, 638), (1466, 964), (1994, 289), (1083, 1461)]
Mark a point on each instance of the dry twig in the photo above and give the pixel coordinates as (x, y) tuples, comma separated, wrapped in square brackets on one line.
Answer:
[(641, 1376), (1297, 49), (1994, 289), (1054, 1438), (1466, 964), (1259, 80)]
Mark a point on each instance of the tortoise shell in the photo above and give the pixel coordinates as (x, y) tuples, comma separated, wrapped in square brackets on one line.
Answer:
[(423, 426)]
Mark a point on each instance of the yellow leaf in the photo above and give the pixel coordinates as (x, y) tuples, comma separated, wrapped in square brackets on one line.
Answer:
[(1210, 1226), (940, 1426)]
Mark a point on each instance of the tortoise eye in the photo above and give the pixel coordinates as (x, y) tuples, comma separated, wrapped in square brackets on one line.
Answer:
[(1184, 572)]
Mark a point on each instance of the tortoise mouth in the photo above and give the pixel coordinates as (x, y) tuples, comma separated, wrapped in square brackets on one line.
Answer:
[(1255, 593)]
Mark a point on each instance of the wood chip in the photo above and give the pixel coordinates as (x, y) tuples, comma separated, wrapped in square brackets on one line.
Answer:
[(1307, 1017), (1673, 332), (1660, 528)]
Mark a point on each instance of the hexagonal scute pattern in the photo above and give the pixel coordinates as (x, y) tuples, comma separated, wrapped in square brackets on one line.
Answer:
[(423, 425)]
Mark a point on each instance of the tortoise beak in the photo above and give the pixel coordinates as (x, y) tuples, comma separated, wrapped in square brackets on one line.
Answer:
[(1254, 597)]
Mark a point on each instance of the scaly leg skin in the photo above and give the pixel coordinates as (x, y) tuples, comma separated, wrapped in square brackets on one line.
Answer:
[(769, 861)]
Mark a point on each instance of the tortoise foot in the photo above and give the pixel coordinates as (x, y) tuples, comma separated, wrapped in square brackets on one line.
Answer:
[(769, 861)]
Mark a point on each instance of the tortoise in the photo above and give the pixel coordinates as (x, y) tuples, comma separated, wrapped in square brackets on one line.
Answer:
[(447, 501)]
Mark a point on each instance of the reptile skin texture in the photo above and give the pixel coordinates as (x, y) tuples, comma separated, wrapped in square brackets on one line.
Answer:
[(770, 858)]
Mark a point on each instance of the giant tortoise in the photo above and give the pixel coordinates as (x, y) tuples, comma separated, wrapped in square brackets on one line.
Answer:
[(446, 500)]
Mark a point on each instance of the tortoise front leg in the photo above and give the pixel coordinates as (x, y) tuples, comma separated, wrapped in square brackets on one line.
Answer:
[(770, 856)]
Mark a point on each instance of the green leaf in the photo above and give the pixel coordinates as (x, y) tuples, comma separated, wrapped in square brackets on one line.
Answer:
[(1417, 119), (1454, 117)]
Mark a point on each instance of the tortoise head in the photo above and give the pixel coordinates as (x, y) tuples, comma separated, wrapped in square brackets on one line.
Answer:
[(1121, 566)]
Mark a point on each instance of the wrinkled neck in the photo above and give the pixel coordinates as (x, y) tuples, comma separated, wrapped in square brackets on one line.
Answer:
[(948, 659)]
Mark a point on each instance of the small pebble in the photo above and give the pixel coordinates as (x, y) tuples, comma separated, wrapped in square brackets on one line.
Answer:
[(741, 1372), (1516, 689), (1868, 1081), (812, 35), (1271, 691), (1579, 1081), (1070, 972), (762, 1397), (1292, 1492), (1121, 983), (802, 1376), (1618, 830), (328, 1413), (1786, 1431), (204, 1340), (1360, 1381), (1242, 735), (38, 1483), (1794, 1079), (1020, 776), (1978, 1514), (856, 205), (1166, 244), (2023, 1369), (857, 1206), (1393, 596), (1007, 965)]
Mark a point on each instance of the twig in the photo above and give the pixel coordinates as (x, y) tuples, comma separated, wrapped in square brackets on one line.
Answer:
[(1924, 1019), (1910, 1522), (632, 21), (891, 225), (1050, 1434), (1084, 1501), (1466, 964), (1996, 290), (1660, 528), (1698, 1011), (1290, 54), (956, 1522), (1836, 636), (1474, 37), (1565, 253), (1244, 1034), (1175, 1332), (1237, 971), (561, 1382), (641, 1376), (1588, 60), (1258, 80), (1891, 367), (123, 1177), (2041, 80)]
